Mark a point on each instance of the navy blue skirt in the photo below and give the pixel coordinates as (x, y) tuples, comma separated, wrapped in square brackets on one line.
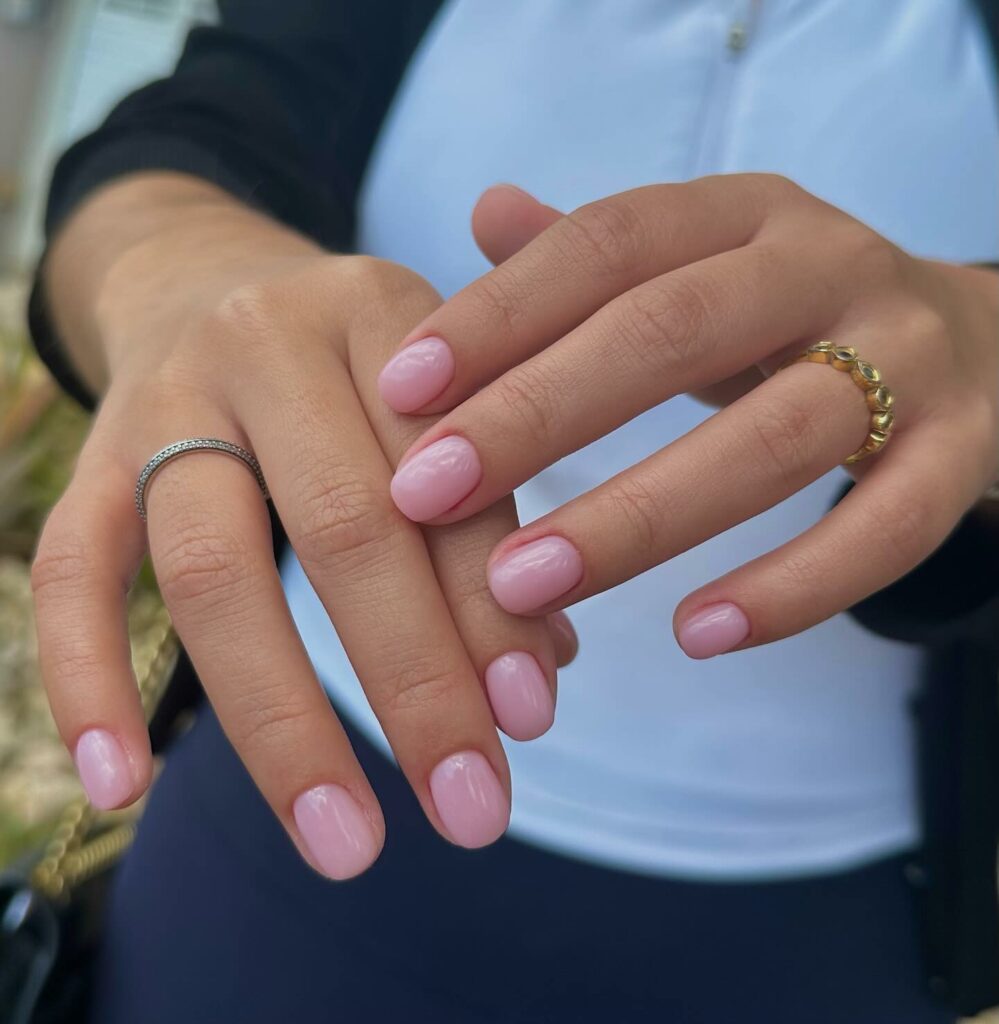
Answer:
[(215, 919)]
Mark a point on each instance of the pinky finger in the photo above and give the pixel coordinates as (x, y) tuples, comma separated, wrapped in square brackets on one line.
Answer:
[(901, 511), (88, 553)]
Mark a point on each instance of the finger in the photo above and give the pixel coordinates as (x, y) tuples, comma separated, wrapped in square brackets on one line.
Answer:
[(746, 458), (88, 553), (680, 332), (562, 277), (895, 517), (209, 536), (514, 657), (371, 570), (564, 637), (506, 218)]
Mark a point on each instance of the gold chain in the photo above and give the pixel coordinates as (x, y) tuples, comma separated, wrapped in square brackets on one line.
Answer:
[(70, 858)]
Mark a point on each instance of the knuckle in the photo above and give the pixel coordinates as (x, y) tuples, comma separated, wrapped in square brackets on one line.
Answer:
[(247, 311), (927, 328), (458, 555), (777, 185), (340, 519), (382, 295), (374, 280), (912, 525), (771, 195), (58, 565), (784, 437), (422, 683), (608, 235), (665, 327), (201, 565), (74, 664), (496, 303), (803, 573), (532, 399), (268, 715), (246, 323), (873, 257), (641, 508)]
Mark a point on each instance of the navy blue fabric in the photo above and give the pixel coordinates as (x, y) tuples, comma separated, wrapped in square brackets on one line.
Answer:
[(214, 918)]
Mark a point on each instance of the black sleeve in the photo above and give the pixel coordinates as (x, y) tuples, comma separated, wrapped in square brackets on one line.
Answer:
[(279, 103)]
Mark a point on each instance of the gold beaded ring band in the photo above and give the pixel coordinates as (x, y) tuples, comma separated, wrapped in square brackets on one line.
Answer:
[(879, 399)]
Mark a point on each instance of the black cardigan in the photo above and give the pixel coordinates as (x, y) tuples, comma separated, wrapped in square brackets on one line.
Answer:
[(280, 104)]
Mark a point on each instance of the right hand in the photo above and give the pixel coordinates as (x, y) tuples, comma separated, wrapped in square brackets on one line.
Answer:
[(284, 364)]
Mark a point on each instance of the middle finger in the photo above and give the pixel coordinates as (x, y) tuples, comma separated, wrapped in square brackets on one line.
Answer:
[(680, 332), (370, 568)]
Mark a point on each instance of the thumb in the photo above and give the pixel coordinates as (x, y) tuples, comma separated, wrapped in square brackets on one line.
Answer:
[(506, 218)]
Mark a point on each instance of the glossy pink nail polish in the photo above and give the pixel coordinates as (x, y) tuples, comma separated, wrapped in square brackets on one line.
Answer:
[(469, 799), (520, 696), (713, 630), (104, 769), (416, 374), (336, 831), (534, 574), (436, 479)]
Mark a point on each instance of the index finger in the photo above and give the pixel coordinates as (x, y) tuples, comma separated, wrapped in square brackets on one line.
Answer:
[(562, 277)]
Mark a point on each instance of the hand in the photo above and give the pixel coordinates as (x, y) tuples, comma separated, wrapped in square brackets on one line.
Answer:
[(271, 364), (594, 317)]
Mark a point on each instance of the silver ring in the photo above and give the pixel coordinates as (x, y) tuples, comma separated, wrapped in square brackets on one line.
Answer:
[(193, 444)]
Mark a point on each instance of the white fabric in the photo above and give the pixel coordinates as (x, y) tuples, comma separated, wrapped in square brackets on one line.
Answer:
[(792, 758)]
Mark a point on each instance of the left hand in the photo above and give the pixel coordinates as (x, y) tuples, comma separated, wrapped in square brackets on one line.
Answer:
[(591, 318)]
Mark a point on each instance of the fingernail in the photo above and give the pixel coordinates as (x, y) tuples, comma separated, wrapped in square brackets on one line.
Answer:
[(520, 696), (469, 799), (104, 769), (336, 831), (417, 374), (713, 630), (560, 624), (534, 574), (434, 480)]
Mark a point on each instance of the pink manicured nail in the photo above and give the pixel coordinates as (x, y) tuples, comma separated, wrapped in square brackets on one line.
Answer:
[(336, 831), (104, 769), (470, 799), (534, 574), (416, 374), (713, 630), (436, 479), (519, 694)]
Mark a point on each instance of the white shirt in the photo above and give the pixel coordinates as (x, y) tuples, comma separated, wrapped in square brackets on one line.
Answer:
[(791, 758)]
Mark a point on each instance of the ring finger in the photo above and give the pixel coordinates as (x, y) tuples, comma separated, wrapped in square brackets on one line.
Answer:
[(769, 444), (209, 537)]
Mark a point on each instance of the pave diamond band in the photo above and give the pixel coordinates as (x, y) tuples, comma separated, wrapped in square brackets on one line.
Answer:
[(880, 401), (193, 444)]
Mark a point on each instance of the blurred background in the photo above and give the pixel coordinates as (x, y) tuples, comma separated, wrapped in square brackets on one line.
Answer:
[(63, 63)]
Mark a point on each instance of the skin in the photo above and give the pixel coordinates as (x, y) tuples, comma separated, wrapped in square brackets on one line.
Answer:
[(193, 315), (707, 287)]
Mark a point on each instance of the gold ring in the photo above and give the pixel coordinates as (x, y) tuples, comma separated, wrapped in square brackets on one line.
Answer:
[(880, 401)]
